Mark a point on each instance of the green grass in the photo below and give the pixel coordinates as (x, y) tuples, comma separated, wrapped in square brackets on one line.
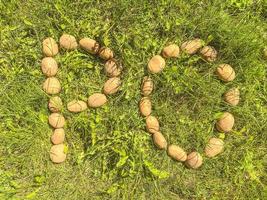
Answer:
[(110, 156)]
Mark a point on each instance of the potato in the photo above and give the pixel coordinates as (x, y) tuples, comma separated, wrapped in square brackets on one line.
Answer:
[(58, 136), (177, 153), (209, 53), (112, 85), (96, 100), (52, 85), (145, 106), (76, 106), (156, 64), (159, 140), (192, 46), (49, 66), (105, 53), (57, 154), (194, 160), (113, 68), (171, 51), (56, 120), (147, 86), (225, 123), (152, 124), (55, 104), (225, 72), (89, 45), (214, 147), (232, 96), (68, 42), (50, 47)]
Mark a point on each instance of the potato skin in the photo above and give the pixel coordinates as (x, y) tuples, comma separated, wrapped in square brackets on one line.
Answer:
[(113, 68), (171, 51), (58, 136), (194, 160), (192, 46), (225, 123), (225, 72), (97, 100), (76, 106), (56, 120), (145, 106), (55, 104), (50, 47), (232, 96), (156, 64), (147, 86), (52, 85), (68, 42), (209, 53), (112, 85), (57, 154), (105, 53), (214, 147), (49, 66), (152, 124), (177, 153), (89, 45), (159, 140)]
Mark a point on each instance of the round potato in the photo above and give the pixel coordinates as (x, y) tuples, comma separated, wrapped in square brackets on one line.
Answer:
[(225, 123), (55, 104), (112, 85), (49, 66), (105, 53), (156, 64), (152, 124), (76, 106), (50, 47), (56, 120), (225, 72), (177, 153), (52, 85), (113, 68), (147, 86), (209, 53), (192, 46), (171, 51), (68, 42), (159, 140), (145, 106), (58, 136), (89, 45), (214, 147), (232, 96), (97, 100), (57, 154), (194, 160)]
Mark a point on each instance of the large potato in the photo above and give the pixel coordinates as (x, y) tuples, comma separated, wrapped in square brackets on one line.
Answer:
[(177, 153), (57, 154), (113, 68), (159, 140), (58, 136), (225, 72), (76, 106), (145, 106), (147, 86), (68, 42), (232, 96), (56, 120), (209, 53), (156, 64), (50, 47), (194, 160), (105, 53), (96, 100), (52, 85), (192, 46), (55, 104), (214, 147), (171, 51), (152, 124), (112, 85), (89, 45), (225, 123), (49, 66)]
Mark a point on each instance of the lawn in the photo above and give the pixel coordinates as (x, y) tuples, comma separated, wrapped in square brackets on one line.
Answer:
[(110, 154)]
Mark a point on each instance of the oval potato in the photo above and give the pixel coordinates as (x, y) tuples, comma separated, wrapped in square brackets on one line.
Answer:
[(214, 147), (89, 45), (171, 51), (52, 85), (145, 106), (105, 53), (68, 42), (152, 124), (194, 160), (56, 120), (76, 106), (209, 53), (112, 85), (192, 46), (57, 154), (225, 123), (232, 96), (96, 100), (58, 136), (50, 47), (55, 104), (49, 66), (159, 140), (177, 153), (225, 72), (113, 68), (147, 86), (156, 64)]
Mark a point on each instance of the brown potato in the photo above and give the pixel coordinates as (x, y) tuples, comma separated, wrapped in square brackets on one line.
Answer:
[(194, 160), (171, 51), (52, 85), (68, 42), (76, 106), (209, 53), (232, 96), (113, 68), (49, 66), (105, 53), (56, 120), (58, 136), (152, 124), (214, 147), (177, 153), (57, 154), (147, 86), (159, 140), (89, 45), (156, 64), (112, 85), (145, 106), (96, 100), (225, 123), (225, 72), (55, 104), (192, 46), (50, 47)]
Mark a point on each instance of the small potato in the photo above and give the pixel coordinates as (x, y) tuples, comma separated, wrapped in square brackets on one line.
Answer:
[(76, 106), (194, 160), (145, 106), (156, 64), (152, 124), (105, 53), (113, 68), (112, 85), (232, 96), (55, 104), (214, 147), (49, 66), (50, 47), (89, 45), (57, 154), (177, 153), (97, 100), (209, 53), (225, 123), (225, 72), (171, 51), (147, 86), (192, 46), (58, 136), (52, 85), (159, 140), (56, 120), (68, 42)]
